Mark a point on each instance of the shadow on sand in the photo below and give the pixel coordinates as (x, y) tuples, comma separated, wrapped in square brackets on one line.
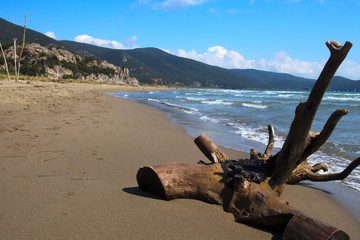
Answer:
[(136, 191)]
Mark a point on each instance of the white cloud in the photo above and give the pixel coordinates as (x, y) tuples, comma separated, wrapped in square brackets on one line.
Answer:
[(50, 34), (131, 42), (128, 43), (99, 42), (350, 69), (280, 62), (218, 56), (171, 4)]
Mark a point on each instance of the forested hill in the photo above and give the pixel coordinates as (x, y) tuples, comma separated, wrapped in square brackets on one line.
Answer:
[(151, 65)]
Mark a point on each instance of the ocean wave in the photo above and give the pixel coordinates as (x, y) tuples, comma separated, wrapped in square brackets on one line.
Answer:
[(153, 100), (343, 99), (216, 102), (188, 109), (210, 119), (257, 134), (185, 109), (286, 95), (249, 105), (195, 99), (151, 92)]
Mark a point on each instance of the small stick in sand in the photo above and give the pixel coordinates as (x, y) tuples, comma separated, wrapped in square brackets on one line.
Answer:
[(22, 47), (16, 77), (6, 65)]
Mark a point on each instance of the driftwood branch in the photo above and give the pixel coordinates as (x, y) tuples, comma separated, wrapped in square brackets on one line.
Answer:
[(266, 155), (271, 142), (298, 138), (306, 172), (210, 149), (317, 141)]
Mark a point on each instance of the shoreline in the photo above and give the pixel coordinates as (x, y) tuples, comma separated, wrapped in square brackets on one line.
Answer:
[(69, 155)]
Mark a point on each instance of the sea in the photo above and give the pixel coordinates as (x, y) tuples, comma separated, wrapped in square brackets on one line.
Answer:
[(238, 119)]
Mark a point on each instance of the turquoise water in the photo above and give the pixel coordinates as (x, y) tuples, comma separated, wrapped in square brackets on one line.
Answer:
[(238, 119)]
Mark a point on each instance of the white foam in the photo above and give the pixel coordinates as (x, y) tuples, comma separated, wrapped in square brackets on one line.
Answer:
[(343, 99), (195, 99), (286, 95), (209, 119), (216, 102), (259, 134), (254, 106)]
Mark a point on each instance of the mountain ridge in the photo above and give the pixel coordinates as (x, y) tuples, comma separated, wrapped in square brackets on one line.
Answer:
[(152, 65)]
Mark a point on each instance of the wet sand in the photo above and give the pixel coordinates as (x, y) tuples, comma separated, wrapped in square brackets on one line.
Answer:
[(69, 154)]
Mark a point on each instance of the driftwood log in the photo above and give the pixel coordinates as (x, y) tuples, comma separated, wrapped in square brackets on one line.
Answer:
[(250, 188)]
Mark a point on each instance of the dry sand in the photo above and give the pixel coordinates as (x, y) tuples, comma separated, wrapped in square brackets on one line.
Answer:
[(69, 154)]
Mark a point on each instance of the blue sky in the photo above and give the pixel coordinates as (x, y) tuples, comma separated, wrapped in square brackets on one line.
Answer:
[(275, 35)]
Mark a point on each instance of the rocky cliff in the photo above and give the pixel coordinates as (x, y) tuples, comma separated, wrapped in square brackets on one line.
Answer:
[(58, 63)]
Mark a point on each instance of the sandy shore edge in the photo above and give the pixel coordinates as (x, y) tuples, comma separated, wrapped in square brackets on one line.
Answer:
[(68, 160)]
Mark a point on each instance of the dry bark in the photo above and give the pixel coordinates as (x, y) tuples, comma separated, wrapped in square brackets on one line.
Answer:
[(309, 228)]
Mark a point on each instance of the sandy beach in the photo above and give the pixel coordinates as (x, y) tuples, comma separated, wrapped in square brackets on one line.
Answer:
[(69, 154)]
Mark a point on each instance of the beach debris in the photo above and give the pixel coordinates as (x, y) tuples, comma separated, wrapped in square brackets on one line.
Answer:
[(22, 49), (5, 61), (250, 189)]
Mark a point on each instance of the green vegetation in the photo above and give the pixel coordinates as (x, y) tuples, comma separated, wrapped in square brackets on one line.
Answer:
[(37, 67), (3, 76)]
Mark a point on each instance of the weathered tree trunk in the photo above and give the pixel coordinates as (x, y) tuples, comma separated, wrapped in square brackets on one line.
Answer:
[(250, 188), (251, 203)]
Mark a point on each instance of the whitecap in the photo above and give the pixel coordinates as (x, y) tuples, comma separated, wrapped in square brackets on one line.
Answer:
[(343, 99), (195, 99), (216, 102), (209, 119), (249, 105), (285, 95)]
